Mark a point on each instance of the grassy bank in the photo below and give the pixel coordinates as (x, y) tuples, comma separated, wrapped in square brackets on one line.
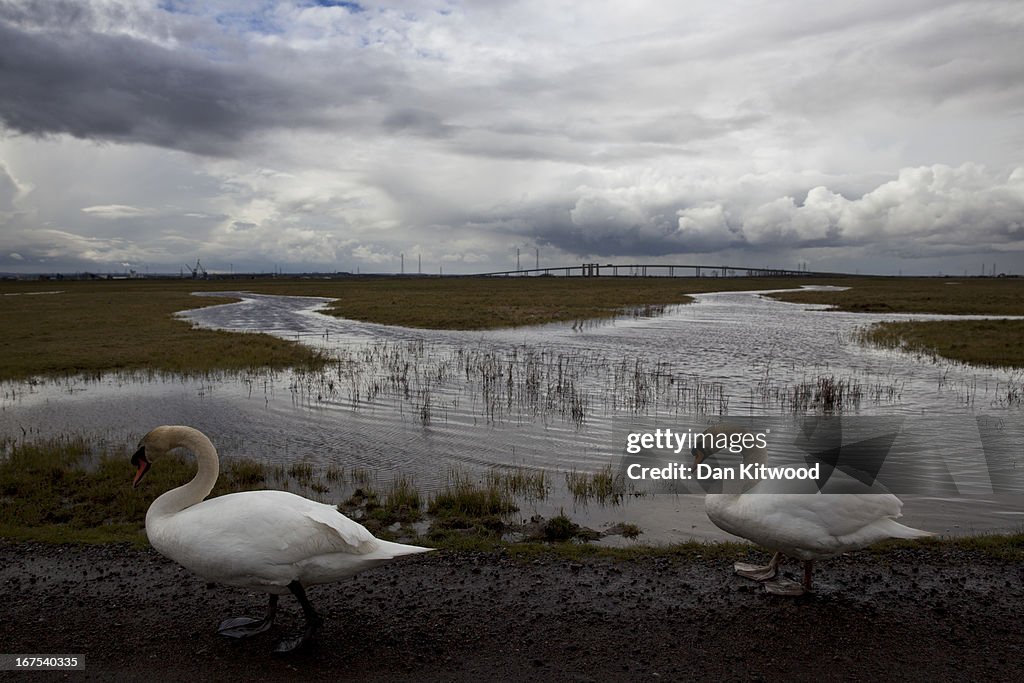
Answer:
[(93, 327), (980, 342), (68, 491), (75, 327), (951, 296)]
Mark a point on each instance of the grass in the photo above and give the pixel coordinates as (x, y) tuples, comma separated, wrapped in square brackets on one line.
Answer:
[(531, 485), (63, 490), (979, 342), (485, 303), (128, 325), (952, 296), (94, 327), (66, 491), (403, 501), (604, 486), (465, 498)]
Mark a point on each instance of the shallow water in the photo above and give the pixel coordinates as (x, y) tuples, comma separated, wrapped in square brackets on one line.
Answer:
[(558, 397)]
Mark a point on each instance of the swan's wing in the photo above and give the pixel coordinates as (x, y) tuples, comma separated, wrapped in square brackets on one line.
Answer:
[(355, 537), (843, 514), (809, 525), (258, 528)]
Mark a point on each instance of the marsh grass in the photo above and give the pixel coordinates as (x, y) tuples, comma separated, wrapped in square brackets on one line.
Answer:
[(402, 500), (94, 327), (64, 490), (978, 342), (952, 296), (606, 486), (530, 485), (466, 497), (825, 393), (522, 383)]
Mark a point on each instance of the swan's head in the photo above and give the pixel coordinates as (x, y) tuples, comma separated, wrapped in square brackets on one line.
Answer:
[(152, 446)]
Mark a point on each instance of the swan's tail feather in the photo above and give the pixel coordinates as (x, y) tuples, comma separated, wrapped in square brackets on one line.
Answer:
[(897, 530), (388, 549)]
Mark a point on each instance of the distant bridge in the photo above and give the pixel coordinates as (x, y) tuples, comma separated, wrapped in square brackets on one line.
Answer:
[(657, 270)]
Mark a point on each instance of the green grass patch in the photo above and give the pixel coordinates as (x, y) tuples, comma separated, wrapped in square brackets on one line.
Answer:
[(94, 327), (604, 486), (63, 490), (952, 296), (532, 485), (402, 501), (465, 497), (979, 342)]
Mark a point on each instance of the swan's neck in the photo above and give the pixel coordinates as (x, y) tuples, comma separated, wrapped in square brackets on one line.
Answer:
[(199, 488)]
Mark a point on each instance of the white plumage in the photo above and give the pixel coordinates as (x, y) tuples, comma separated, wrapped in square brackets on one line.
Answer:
[(808, 527), (271, 541)]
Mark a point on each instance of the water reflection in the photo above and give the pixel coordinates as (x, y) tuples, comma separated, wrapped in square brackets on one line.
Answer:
[(551, 397)]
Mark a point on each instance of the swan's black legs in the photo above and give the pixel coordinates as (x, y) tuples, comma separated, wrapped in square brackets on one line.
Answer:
[(313, 622), (243, 627), (808, 570)]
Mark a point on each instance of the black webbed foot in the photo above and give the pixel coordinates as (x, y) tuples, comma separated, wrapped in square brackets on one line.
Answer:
[(244, 627)]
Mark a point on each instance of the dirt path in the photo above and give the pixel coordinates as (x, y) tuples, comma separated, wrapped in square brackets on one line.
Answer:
[(912, 615)]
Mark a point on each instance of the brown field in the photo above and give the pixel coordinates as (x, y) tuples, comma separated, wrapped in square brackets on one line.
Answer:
[(93, 327)]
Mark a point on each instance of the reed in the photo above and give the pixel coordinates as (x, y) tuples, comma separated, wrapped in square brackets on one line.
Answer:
[(606, 486), (463, 496)]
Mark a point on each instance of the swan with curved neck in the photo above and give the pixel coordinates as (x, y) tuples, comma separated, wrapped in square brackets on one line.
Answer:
[(270, 541), (807, 526)]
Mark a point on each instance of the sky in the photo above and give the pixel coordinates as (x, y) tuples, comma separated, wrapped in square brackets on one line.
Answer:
[(873, 137)]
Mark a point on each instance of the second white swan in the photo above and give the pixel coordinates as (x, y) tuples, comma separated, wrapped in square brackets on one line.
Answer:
[(808, 526)]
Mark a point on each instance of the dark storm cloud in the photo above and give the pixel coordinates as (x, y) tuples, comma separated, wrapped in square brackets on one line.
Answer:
[(60, 73), (117, 88), (328, 135)]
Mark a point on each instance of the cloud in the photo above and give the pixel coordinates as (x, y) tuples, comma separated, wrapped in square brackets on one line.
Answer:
[(933, 210), (74, 77), (57, 247), (334, 135), (116, 211), (10, 190)]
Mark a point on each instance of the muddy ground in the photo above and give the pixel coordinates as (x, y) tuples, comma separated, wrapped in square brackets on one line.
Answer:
[(934, 613)]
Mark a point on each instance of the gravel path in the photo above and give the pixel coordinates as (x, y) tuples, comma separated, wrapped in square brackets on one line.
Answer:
[(935, 613)]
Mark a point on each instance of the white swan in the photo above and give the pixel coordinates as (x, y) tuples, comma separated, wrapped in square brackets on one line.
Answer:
[(808, 526), (270, 541)]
